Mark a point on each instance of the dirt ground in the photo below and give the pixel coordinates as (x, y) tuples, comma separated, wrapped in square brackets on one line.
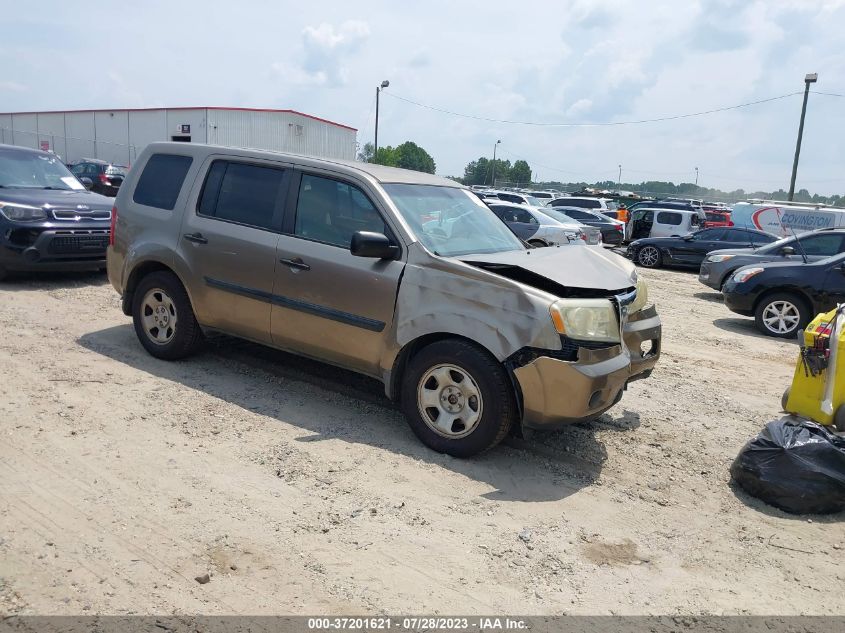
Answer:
[(300, 490)]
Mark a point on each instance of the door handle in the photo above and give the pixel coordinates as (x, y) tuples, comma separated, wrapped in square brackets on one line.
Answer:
[(295, 263), (196, 238)]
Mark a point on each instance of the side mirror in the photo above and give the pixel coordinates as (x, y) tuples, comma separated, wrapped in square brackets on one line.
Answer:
[(86, 182), (787, 250), (369, 244), (689, 237)]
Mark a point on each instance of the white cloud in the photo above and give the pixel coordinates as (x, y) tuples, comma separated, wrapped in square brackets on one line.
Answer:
[(328, 49), (579, 107)]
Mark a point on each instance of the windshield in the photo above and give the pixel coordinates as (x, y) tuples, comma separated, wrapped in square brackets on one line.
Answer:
[(29, 170), (534, 202), (450, 221), (611, 205)]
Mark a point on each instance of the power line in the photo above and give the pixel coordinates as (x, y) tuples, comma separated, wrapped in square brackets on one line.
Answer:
[(827, 94), (600, 124)]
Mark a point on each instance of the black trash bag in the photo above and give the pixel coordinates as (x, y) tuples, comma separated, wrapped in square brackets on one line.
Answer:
[(795, 465)]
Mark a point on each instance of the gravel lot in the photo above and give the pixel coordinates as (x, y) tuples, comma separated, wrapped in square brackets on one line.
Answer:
[(299, 488)]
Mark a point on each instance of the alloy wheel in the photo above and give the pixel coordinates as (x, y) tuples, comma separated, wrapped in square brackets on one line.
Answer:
[(449, 401), (158, 316), (781, 317)]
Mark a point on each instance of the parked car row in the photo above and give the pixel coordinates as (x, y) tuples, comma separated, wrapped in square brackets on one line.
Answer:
[(782, 283)]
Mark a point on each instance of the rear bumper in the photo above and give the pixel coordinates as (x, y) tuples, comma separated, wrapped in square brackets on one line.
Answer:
[(612, 236), (556, 392), (33, 248)]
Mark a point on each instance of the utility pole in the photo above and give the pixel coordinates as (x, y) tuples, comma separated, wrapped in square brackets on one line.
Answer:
[(493, 179), (696, 176), (810, 78), (384, 84), (619, 180)]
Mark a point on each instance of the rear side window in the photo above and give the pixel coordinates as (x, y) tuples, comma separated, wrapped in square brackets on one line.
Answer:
[(161, 180), (580, 215), (242, 193), (672, 219)]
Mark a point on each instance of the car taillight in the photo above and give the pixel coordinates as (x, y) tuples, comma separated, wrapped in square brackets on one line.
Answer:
[(583, 236), (104, 179), (111, 228), (618, 227), (730, 223)]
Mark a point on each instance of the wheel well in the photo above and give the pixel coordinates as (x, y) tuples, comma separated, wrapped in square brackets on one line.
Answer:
[(785, 291), (410, 350), (135, 277)]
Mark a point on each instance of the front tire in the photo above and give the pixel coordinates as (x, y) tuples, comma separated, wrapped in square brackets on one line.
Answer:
[(839, 419), (781, 315), (649, 257), (163, 317), (457, 398)]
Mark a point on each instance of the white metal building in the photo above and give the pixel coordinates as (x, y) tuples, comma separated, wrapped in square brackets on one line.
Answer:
[(118, 136)]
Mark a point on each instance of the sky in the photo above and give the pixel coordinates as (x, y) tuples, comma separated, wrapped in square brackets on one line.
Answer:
[(561, 61)]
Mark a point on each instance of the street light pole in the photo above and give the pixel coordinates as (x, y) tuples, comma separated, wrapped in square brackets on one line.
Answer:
[(493, 174), (696, 176), (384, 84), (810, 78), (619, 180)]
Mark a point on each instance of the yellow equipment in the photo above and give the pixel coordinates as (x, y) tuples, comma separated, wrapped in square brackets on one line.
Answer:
[(818, 386)]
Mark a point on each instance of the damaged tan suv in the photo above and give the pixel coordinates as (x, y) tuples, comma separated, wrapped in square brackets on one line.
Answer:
[(399, 275)]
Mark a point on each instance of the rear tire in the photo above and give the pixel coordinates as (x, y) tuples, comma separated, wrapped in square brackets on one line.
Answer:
[(457, 398), (163, 317), (781, 314), (649, 257)]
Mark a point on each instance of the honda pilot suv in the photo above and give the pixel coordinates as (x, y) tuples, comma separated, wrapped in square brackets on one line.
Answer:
[(48, 221), (399, 275)]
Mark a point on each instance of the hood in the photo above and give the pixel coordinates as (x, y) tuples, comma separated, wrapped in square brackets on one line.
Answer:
[(565, 267), (56, 198)]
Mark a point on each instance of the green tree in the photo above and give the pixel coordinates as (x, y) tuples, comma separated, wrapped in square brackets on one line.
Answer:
[(387, 156), (412, 156), (520, 173)]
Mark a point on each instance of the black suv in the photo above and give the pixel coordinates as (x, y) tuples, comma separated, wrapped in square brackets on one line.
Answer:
[(48, 221), (99, 176)]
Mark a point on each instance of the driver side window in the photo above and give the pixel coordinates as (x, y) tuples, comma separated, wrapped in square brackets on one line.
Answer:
[(331, 211)]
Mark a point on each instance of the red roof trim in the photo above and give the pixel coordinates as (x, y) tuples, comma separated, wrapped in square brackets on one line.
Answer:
[(307, 116)]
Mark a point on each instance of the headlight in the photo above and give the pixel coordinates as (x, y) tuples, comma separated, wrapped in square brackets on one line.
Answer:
[(720, 258), (593, 319), (642, 297), (747, 273), (21, 212)]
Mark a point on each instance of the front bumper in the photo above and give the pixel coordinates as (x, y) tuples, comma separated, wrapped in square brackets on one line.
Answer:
[(557, 392), (706, 277), (33, 247), (739, 302)]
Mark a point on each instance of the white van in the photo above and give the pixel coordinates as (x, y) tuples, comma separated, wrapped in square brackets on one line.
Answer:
[(646, 222), (786, 218)]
